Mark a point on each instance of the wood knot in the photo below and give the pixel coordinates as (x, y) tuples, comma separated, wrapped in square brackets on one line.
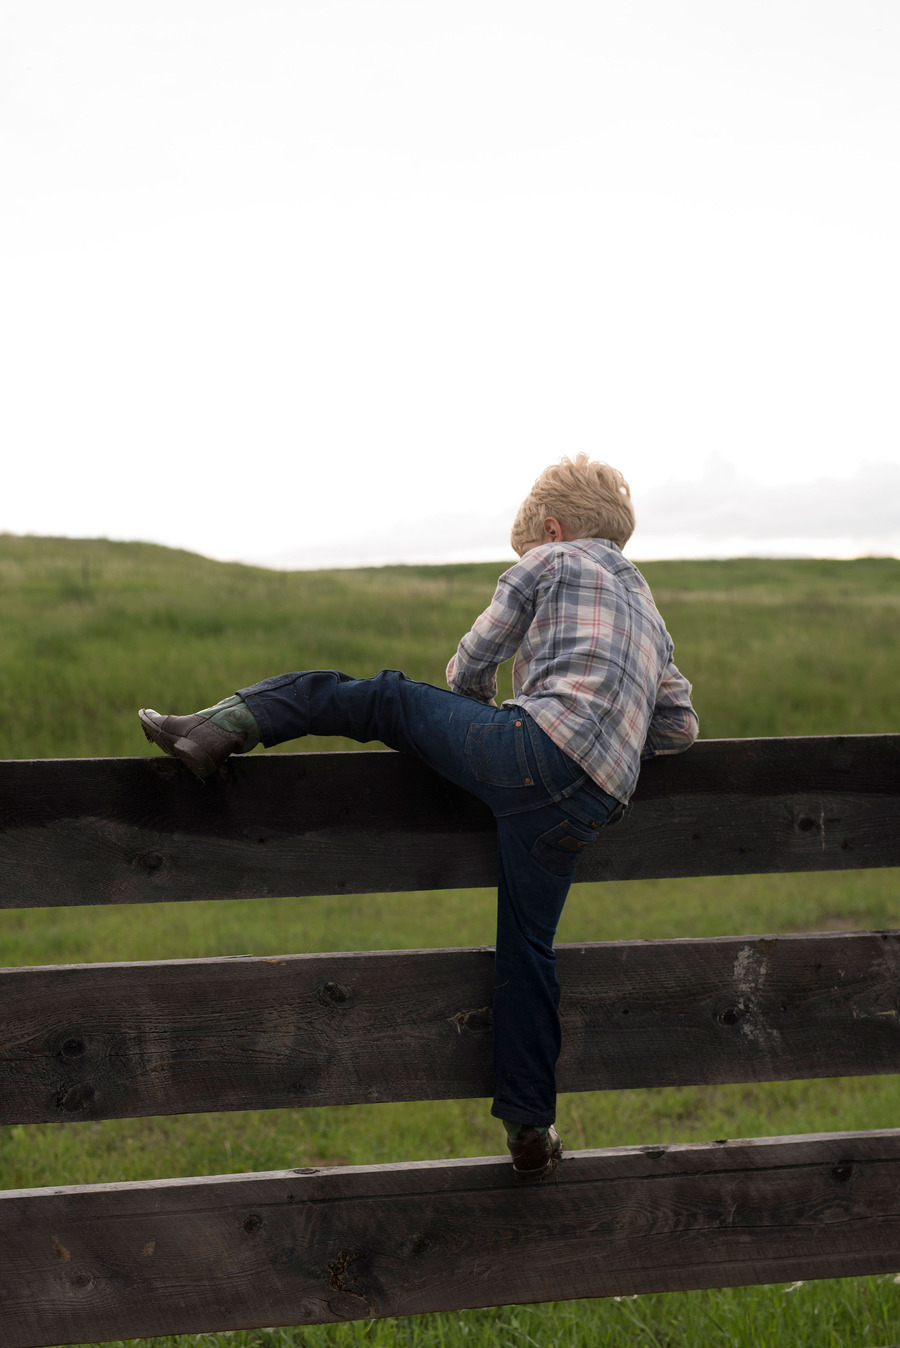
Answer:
[(342, 1280), (416, 1244), (149, 861), (75, 1098), (335, 993), (478, 1021)]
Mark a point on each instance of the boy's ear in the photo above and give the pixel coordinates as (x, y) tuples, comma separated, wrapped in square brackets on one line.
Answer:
[(554, 532)]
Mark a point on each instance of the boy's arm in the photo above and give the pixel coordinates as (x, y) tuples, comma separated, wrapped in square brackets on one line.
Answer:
[(674, 724), (494, 637)]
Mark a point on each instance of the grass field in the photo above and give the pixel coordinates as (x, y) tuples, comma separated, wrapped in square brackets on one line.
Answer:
[(92, 630)]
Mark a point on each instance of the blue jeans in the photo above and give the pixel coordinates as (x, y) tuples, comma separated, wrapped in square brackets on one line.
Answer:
[(547, 810)]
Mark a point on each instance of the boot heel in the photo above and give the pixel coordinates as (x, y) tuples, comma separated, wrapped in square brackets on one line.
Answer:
[(193, 757)]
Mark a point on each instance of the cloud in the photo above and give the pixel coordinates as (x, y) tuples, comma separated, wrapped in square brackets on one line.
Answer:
[(727, 514), (724, 503), (721, 514), (432, 539)]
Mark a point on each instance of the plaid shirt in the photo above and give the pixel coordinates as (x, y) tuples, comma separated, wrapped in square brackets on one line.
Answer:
[(594, 665)]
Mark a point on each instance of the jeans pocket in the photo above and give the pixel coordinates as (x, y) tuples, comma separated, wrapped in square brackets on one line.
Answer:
[(559, 849), (560, 773), (495, 753)]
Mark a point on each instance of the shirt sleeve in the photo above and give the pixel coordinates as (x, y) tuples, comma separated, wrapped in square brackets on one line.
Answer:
[(494, 637), (674, 725)]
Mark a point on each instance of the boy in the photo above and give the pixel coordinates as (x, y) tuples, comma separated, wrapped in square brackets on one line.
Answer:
[(595, 692)]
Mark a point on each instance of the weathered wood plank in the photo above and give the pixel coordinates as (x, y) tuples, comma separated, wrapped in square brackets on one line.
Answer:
[(121, 1040), (303, 1247), (83, 831)]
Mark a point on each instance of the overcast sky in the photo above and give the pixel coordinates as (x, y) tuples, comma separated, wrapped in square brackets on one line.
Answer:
[(280, 278)]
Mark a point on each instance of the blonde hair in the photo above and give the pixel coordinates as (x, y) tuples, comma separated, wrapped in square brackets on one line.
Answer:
[(591, 499)]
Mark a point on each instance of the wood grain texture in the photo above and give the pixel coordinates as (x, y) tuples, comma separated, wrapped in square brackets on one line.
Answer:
[(303, 1247), (82, 831), (121, 1040)]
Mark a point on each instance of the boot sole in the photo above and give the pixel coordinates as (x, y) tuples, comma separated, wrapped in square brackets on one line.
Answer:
[(190, 754), (552, 1162)]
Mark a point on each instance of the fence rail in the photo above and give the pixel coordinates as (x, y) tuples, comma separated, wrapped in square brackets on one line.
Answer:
[(123, 1040), (305, 1246), (141, 830), (309, 1246)]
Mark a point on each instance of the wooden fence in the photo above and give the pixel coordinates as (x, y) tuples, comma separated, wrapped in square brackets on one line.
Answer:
[(93, 1262)]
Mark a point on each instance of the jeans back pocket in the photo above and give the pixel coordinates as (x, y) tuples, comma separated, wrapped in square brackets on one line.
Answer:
[(495, 753), (559, 849)]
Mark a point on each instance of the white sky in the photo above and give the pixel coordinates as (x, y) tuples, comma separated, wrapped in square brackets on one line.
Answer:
[(277, 275)]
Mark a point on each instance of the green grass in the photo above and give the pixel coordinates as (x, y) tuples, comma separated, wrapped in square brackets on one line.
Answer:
[(92, 630), (839, 1314)]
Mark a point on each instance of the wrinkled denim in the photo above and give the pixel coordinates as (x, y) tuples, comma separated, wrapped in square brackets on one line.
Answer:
[(547, 809)]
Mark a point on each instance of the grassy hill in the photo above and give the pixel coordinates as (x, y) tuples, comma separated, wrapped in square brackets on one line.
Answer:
[(92, 630)]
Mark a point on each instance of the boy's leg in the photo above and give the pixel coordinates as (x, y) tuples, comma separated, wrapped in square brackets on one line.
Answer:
[(416, 718), (413, 717), (329, 702), (530, 900)]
